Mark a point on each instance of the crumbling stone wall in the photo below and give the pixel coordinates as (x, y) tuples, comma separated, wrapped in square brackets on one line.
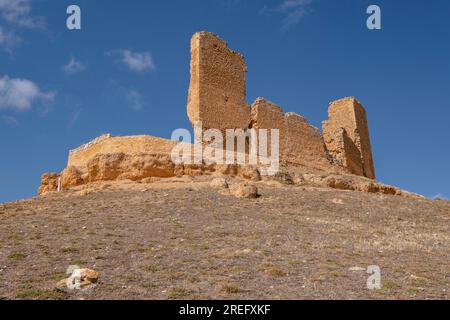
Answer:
[(132, 145), (216, 99), (347, 130), (217, 88), (300, 143), (344, 151)]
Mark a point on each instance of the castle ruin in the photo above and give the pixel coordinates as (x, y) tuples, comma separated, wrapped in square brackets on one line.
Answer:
[(217, 100)]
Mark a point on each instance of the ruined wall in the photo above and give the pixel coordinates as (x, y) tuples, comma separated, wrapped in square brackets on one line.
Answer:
[(109, 158), (300, 143), (110, 145), (344, 150), (217, 88), (217, 99), (348, 114)]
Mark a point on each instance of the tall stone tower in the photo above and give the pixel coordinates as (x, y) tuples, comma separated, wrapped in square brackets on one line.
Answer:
[(347, 138), (217, 88)]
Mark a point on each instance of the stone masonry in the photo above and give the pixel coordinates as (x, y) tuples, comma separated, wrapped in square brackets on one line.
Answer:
[(347, 132), (216, 99), (300, 143), (217, 89)]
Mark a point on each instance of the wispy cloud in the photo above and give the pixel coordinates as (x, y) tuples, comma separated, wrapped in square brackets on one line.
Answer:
[(74, 116), (293, 11), (134, 61), (8, 40), (73, 66), (20, 94), (18, 12), (15, 15), (11, 121), (134, 100)]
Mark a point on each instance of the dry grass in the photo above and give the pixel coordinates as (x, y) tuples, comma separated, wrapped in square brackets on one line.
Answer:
[(185, 240)]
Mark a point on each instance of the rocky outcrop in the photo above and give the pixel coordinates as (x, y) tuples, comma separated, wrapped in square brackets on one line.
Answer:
[(137, 167), (79, 278), (244, 190), (49, 183), (71, 176), (351, 183)]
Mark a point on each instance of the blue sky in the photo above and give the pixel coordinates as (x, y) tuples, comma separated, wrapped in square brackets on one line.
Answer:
[(127, 72)]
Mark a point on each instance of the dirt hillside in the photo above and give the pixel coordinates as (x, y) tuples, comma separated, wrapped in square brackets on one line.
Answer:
[(184, 239)]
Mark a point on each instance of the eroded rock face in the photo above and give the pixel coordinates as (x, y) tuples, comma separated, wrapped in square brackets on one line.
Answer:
[(353, 183), (119, 166), (49, 183), (348, 114), (71, 176), (217, 88), (137, 167)]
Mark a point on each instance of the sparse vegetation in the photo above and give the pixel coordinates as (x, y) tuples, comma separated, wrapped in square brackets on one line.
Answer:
[(276, 272), (287, 244), (151, 268), (17, 256), (28, 292), (69, 250), (178, 293), (230, 288), (389, 284)]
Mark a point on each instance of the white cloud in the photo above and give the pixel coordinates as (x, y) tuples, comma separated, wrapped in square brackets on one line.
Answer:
[(135, 61), (73, 66), (292, 10), (18, 12), (20, 94), (135, 100), (8, 40)]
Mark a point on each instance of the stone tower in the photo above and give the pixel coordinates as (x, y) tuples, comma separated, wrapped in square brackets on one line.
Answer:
[(217, 88), (347, 138)]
